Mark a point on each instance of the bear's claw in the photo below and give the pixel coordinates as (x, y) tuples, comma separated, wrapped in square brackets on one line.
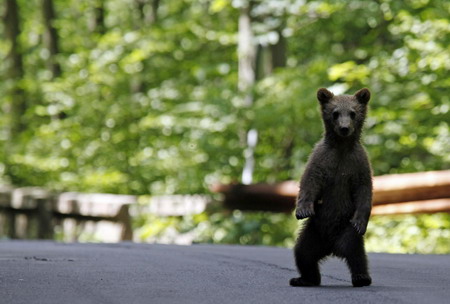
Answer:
[(304, 210), (303, 215), (359, 226)]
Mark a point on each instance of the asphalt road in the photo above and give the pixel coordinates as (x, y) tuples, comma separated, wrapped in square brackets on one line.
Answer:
[(47, 272)]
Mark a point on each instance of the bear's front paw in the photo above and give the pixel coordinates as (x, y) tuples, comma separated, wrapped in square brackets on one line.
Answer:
[(304, 210), (359, 225)]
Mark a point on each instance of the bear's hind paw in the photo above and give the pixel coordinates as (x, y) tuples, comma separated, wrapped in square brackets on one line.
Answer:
[(360, 280), (300, 282)]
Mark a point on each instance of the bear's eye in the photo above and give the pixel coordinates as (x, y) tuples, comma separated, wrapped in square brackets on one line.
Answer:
[(352, 115), (335, 115)]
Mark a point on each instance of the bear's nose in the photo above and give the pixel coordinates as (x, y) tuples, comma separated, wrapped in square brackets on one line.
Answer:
[(344, 130)]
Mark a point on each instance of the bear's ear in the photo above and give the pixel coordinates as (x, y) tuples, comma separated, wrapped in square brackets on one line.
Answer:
[(324, 96), (363, 96)]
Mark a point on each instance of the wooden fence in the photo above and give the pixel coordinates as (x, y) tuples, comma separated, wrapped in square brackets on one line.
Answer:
[(35, 212), (424, 192)]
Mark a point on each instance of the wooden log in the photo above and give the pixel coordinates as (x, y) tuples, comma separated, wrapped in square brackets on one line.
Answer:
[(411, 187), (424, 206), (387, 189), (259, 197)]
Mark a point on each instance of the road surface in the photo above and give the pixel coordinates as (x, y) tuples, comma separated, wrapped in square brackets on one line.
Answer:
[(48, 272)]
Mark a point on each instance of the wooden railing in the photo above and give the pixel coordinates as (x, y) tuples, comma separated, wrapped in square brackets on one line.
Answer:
[(34, 213), (424, 192), (37, 213)]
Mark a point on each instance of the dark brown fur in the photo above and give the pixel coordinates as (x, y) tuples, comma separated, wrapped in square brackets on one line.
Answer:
[(336, 192)]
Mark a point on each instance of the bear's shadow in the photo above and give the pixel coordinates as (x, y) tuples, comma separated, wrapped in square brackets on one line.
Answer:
[(372, 288)]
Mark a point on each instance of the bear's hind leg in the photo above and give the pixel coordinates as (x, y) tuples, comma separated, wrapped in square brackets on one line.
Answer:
[(308, 251), (350, 246)]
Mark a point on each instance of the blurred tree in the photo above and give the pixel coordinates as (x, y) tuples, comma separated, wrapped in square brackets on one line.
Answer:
[(246, 80), (157, 109), (97, 21), (51, 37), (148, 10), (15, 104)]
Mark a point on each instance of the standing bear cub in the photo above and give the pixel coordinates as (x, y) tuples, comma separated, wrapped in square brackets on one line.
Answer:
[(336, 192)]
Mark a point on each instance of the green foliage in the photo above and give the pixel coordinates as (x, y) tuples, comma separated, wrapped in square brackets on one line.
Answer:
[(409, 234), (423, 234), (153, 108), (224, 227), (142, 111)]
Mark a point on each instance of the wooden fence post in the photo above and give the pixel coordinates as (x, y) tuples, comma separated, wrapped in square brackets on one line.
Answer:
[(44, 218)]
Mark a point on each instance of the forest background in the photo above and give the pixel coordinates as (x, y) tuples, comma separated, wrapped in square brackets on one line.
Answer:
[(145, 97)]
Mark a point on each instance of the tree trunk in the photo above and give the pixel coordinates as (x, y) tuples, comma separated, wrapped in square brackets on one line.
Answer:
[(51, 37), (421, 192), (97, 22), (148, 15), (15, 71), (278, 51), (153, 16), (271, 57), (247, 56), (246, 81), (148, 10)]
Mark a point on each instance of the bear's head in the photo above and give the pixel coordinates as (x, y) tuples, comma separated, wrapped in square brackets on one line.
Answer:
[(343, 115)]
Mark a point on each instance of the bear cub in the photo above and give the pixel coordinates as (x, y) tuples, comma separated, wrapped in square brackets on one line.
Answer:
[(336, 192)]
